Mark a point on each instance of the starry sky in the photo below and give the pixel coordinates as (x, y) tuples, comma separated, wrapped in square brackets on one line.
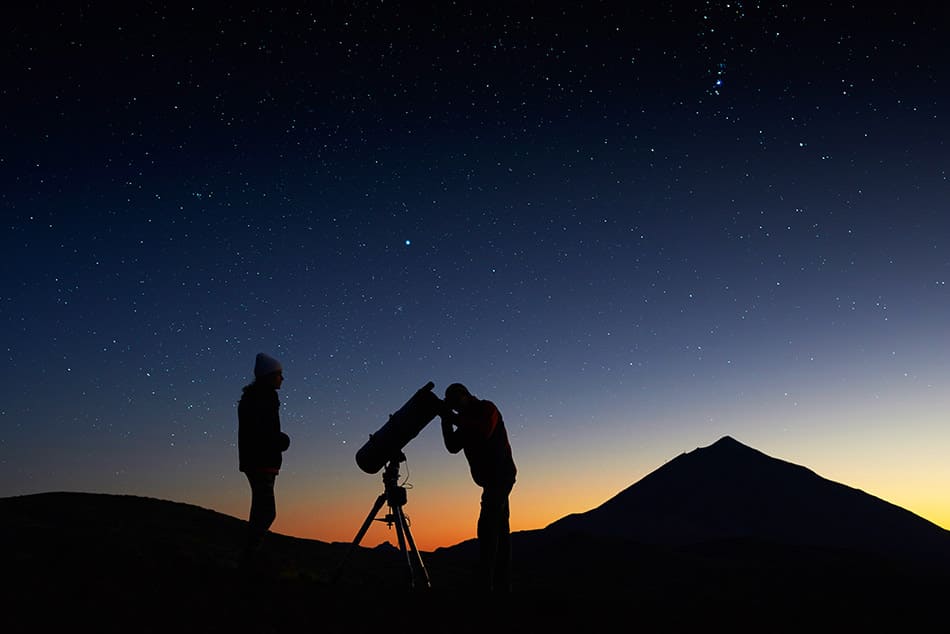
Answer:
[(635, 227)]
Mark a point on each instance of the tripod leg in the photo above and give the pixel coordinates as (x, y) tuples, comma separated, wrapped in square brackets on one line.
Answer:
[(361, 533), (413, 559), (369, 519), (401, 528), (417, 558)]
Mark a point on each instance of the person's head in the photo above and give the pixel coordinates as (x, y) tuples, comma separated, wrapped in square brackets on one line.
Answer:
[(267, 370), (457, 396)]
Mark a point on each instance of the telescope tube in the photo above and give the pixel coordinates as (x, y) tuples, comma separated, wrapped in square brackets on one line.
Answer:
[(387, 443)]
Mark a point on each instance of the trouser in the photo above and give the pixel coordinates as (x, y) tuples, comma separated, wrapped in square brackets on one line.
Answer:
[(263, 508), (494, 538)]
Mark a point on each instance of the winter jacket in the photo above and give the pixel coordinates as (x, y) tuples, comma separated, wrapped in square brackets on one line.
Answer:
[(260, 441), (480, 432)]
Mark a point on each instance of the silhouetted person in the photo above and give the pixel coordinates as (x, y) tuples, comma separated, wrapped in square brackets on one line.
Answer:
[(476, 427), (260, 445)]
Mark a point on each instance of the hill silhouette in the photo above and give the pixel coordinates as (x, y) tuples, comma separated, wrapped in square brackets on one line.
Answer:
[(128, 563), (721, 536), (729, 491)]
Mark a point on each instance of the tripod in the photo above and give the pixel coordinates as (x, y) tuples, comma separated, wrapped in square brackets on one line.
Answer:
[(395, 496)]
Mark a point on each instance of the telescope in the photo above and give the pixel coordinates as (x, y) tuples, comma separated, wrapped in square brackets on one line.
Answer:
[(384, 449), (387, 443)]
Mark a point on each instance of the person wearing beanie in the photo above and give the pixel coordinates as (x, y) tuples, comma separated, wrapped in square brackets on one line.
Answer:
[(261, 444), (265, 364), (475, 426)]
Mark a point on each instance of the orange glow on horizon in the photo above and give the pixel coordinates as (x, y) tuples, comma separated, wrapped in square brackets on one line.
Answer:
[(432, 527)]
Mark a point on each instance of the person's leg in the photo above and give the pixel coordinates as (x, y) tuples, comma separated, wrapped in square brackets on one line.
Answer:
[(493, 534), (501, 582), (263, 509)]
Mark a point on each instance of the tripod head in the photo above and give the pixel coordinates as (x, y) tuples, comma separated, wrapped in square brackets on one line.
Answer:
[(395, 495)]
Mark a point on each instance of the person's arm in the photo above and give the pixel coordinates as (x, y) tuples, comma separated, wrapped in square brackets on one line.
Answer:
[(277, 439), (450, 435)]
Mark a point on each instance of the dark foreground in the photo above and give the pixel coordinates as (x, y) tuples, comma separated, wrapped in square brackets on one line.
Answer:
[(122, 564), (213, 601)]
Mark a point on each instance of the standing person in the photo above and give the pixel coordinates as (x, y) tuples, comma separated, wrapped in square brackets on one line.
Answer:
[(476, 427), (260, 445)]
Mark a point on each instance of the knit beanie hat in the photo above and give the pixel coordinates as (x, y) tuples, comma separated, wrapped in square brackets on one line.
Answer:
[(265, 364)]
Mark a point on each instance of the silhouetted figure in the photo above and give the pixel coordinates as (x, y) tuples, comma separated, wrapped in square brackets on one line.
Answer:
[(476, 427), (260, 445)]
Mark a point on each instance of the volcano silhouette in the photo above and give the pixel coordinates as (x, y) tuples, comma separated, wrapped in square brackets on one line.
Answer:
[(729, 491), (716, 538)]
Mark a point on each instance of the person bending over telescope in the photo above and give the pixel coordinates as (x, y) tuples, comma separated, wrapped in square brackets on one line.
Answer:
[(476, 427)]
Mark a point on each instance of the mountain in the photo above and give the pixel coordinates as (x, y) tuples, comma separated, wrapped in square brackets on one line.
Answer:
[(729, 491), (728, 530), (726, 534)]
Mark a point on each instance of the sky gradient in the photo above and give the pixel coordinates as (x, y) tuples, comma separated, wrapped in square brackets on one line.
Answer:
[(635, 229)]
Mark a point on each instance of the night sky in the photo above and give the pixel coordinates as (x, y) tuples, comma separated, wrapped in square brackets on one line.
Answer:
[(635, 227)]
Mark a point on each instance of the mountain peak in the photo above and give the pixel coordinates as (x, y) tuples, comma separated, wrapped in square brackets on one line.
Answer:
[(726, 441), (728, 490)]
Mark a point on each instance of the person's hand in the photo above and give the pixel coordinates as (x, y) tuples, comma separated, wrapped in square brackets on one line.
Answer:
[(445, 412)]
